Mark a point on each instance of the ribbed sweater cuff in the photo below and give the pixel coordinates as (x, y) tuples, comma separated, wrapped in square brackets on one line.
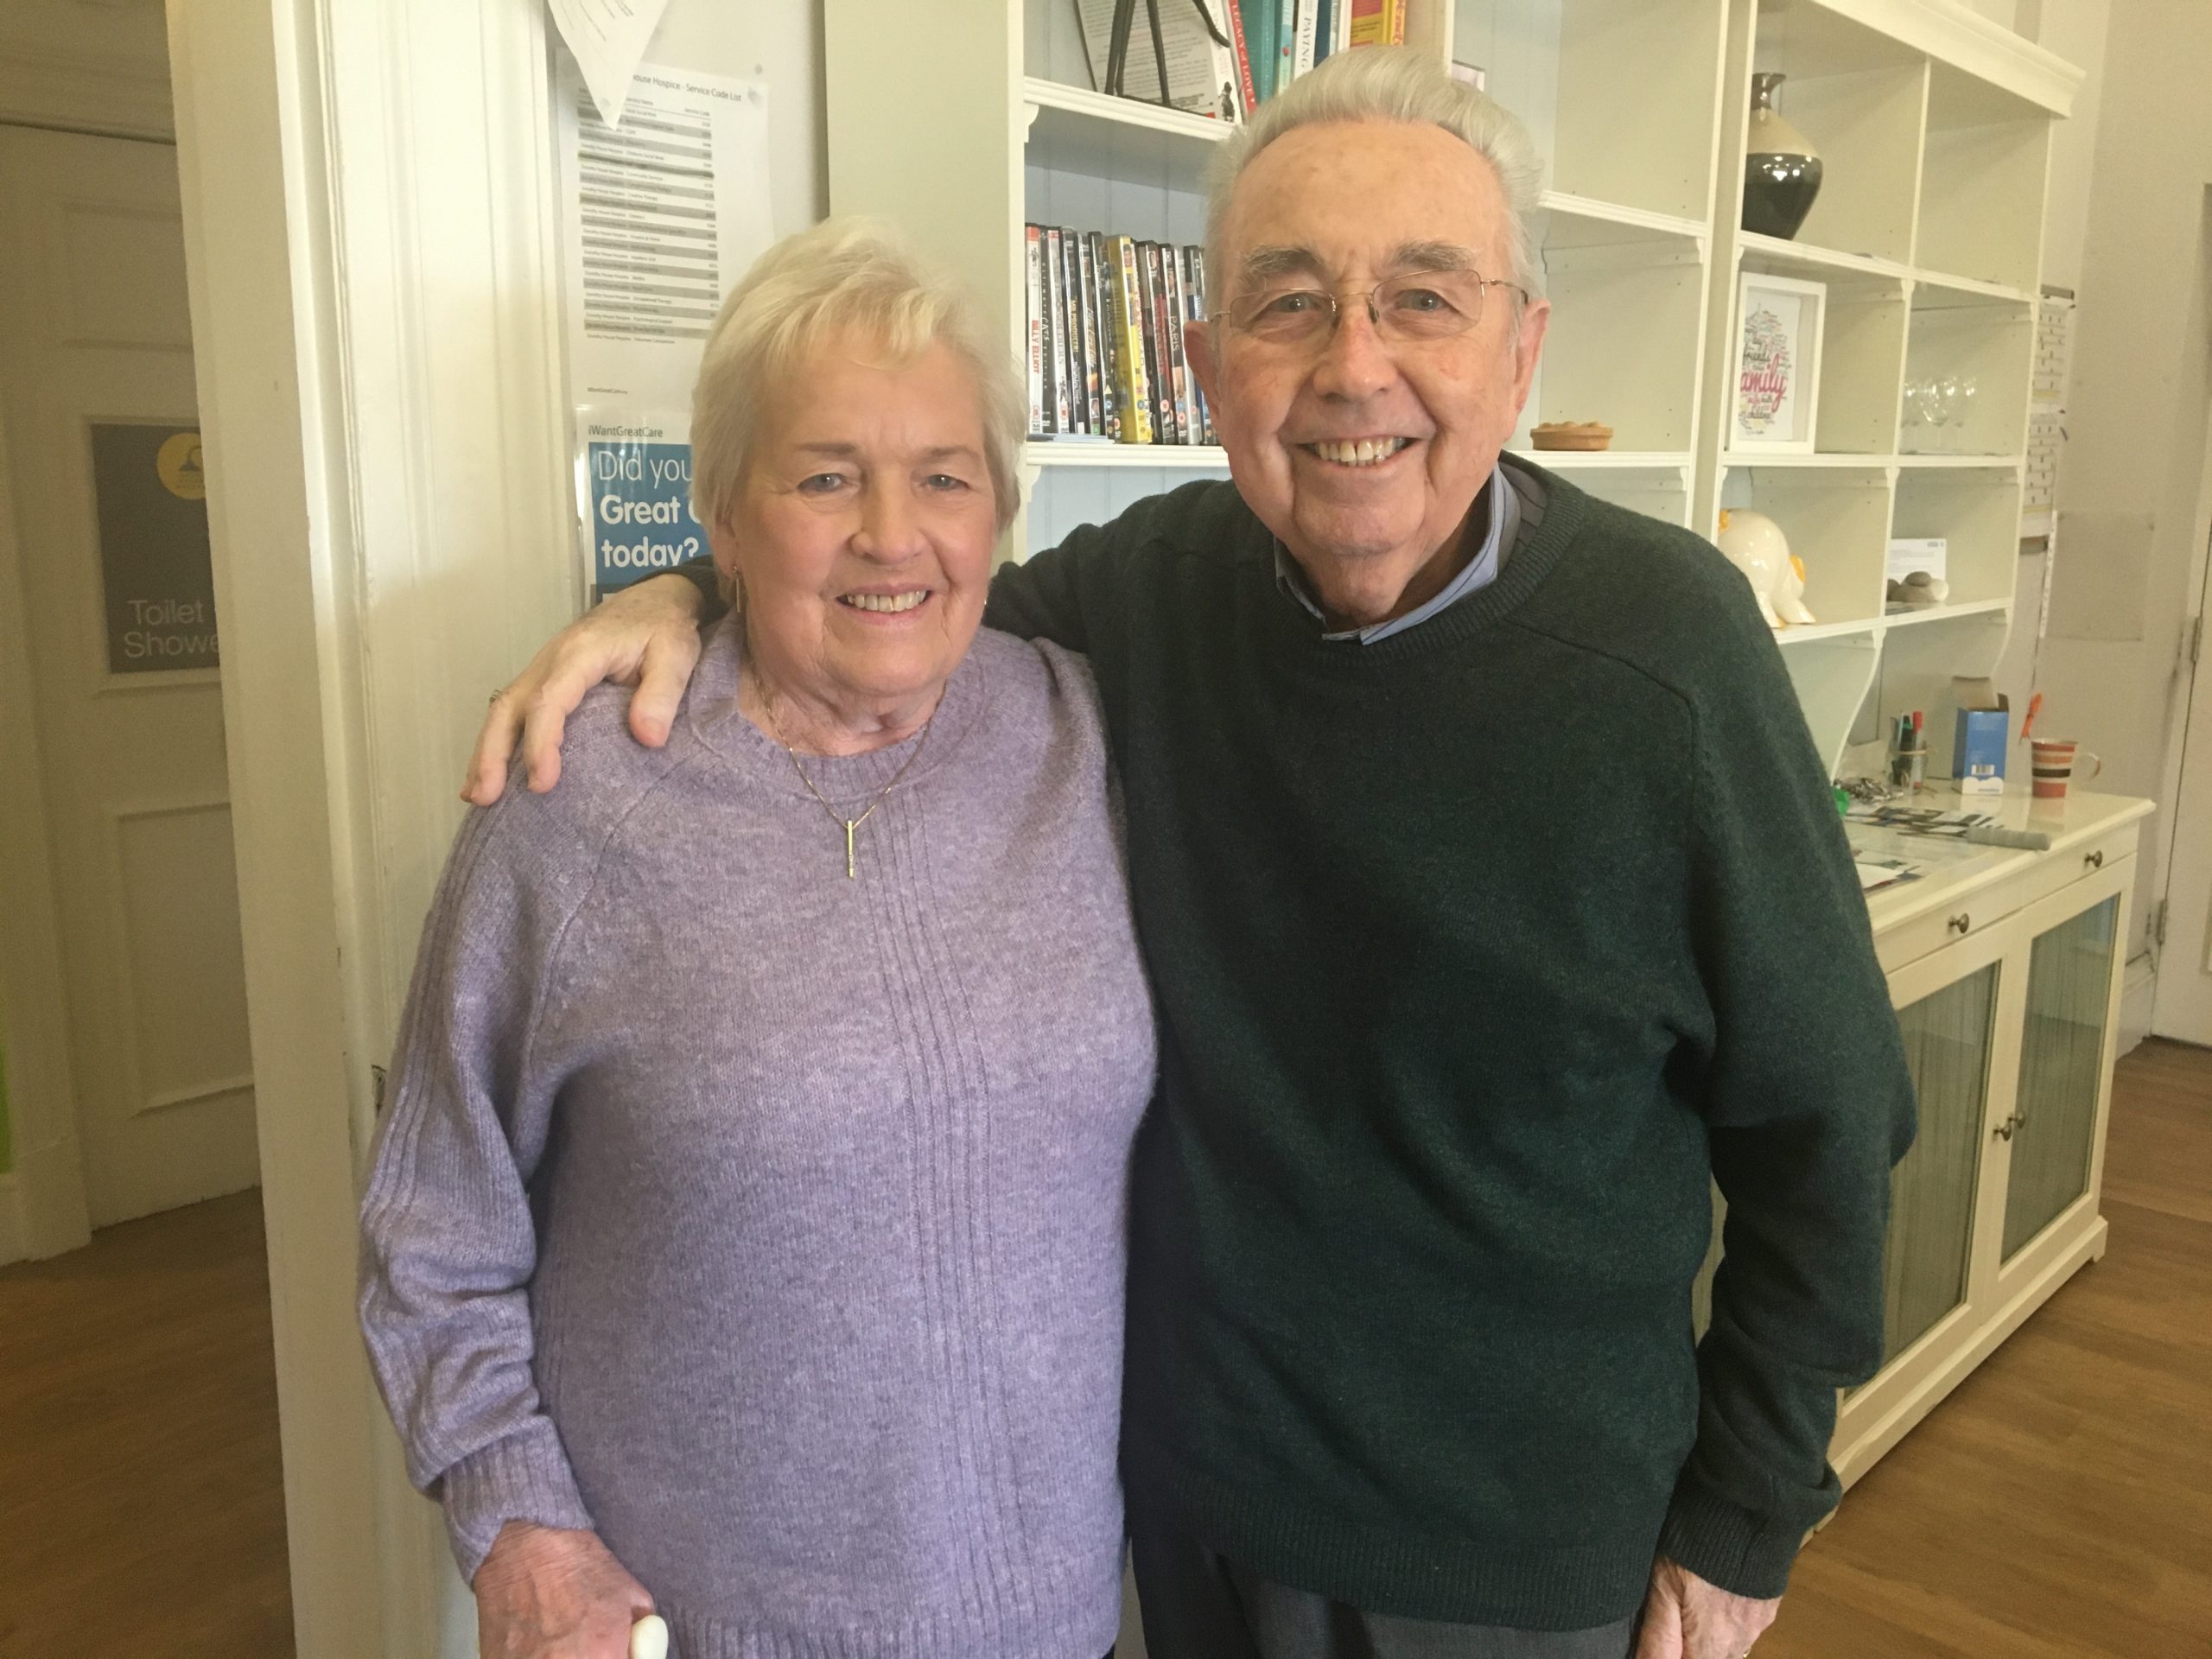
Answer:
[(1746, 1553), (524, 1477)]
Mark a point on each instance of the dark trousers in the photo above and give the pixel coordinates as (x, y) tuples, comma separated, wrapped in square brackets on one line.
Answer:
[(1199, 1605)]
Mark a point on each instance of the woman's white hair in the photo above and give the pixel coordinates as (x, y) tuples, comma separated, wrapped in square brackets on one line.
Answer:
[(843, 276), (1388, 83)]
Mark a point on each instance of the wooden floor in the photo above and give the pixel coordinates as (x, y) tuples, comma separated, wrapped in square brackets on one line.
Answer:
[(2057, 1506), (141, 1507)]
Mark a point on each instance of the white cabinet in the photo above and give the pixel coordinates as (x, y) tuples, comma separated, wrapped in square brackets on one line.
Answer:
[(2005, 968)]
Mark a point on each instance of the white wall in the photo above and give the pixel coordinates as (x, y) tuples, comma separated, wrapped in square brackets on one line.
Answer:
[(2131, 529), (2075, 30)]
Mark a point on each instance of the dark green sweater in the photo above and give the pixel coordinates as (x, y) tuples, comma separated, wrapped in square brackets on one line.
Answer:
[(1478, 950)]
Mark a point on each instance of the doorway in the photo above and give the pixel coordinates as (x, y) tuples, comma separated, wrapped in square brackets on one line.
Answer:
[(114, 604), (136, 1354)]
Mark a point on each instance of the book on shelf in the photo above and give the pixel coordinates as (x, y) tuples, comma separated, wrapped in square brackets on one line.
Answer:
[(1163, 366), (1194, 266), (1201, 70), (1309, 37), (1087, 305), (1178, 309), (1240, 46), (1155, 369), (1260, 19), (1071, 322), (1032, 237), (1285, 44), (1377, 23), (1056, 302), (1131, 387), (1102, 299)]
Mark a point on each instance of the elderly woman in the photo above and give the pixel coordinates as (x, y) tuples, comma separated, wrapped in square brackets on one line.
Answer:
[(748, 1214)]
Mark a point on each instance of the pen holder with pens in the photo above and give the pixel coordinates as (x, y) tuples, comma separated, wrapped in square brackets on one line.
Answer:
[(1908, 755)]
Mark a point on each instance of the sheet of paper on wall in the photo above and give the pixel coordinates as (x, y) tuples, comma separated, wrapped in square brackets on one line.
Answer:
[(607, 38), (660, 216), (2053, 367)]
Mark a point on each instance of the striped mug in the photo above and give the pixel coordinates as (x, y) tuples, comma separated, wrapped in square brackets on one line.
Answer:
[(2054, 766)]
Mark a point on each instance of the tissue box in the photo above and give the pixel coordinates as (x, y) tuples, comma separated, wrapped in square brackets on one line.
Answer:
[(1978, 756)]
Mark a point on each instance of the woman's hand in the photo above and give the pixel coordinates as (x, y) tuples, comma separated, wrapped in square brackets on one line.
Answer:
[(545, 1592), (646, 636)]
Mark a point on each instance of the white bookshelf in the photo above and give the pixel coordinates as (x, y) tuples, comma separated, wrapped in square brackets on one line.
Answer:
[(963, 119), (1934, 127)]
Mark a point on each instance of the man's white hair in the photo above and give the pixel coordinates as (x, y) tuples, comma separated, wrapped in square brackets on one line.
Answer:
[(843, 276), (1387, 83)]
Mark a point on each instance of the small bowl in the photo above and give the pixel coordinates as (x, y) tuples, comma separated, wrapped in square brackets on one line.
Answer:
[(1572, 435)]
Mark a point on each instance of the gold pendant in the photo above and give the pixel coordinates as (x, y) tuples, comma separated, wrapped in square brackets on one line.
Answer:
[(851, 873)]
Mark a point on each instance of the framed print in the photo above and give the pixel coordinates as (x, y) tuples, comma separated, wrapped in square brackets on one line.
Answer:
[(1774, 367)]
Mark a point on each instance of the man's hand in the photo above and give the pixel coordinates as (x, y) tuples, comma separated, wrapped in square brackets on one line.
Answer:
[(646, 636), (1685, 1618), (545, 1592)]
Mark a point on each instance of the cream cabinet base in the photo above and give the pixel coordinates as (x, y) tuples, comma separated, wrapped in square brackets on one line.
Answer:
[(1879, 1415), (2005, 968)]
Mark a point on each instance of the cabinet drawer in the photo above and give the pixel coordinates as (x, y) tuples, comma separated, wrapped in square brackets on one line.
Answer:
[(1962, 919), (1968, 914), (2050, 873)]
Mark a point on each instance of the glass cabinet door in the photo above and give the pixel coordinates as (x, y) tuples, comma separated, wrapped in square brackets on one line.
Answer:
[(1949, 1036), (2062, 1070)]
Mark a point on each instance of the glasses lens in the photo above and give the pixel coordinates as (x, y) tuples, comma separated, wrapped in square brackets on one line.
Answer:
[(1429, 307), (1286, 314)]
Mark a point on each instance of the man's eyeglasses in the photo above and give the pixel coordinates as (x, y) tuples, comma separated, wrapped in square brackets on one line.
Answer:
[(1431, 305)]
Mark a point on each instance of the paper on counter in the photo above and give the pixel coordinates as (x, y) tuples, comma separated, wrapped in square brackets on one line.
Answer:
[(607, 38), (660, 217), (1873, 876)]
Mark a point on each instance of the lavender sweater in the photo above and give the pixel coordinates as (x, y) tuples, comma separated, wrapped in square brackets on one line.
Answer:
[(770, 1222)]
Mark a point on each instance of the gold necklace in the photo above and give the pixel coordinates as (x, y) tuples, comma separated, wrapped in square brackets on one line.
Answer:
[(851, 826)]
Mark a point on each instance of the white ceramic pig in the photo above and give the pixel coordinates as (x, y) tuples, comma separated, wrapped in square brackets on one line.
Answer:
[(1754, 543)]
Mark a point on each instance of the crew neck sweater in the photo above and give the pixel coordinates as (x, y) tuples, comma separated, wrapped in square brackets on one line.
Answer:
[(768, 1222), (1480, 951)]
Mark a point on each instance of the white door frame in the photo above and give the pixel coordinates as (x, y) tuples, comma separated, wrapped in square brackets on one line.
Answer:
[(2188, 694), (369, 233), (42, 1207)]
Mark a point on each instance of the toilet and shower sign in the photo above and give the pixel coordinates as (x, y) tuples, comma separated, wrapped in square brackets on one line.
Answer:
[(634, 496), (149, 489)]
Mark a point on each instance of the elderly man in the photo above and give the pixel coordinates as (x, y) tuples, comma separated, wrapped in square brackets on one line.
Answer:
[(1494, 901)]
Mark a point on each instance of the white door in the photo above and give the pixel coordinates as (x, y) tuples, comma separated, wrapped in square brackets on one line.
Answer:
[(96, 392), (2185, 1004)]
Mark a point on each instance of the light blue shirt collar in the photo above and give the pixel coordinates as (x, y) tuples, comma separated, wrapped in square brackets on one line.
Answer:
[(1477, 574)]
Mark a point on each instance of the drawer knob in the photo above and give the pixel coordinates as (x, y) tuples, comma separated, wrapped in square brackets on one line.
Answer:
[(1960, 923), (2095, 862)]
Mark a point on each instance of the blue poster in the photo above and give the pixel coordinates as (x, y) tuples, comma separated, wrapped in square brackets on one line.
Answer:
[(637, 488)]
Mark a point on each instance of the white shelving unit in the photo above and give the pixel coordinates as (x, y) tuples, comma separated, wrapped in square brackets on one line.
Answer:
[(1625, 230), (1934, 127), (965, 118)]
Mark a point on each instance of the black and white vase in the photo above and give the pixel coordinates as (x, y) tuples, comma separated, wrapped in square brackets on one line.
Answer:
[(1782, 172)]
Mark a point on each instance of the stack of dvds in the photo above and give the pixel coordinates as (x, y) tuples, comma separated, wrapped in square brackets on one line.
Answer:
[(1105, 338)]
